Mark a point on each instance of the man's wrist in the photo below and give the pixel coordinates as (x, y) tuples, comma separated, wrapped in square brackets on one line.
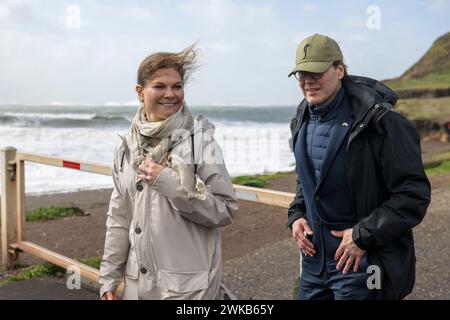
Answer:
[(361, 237)]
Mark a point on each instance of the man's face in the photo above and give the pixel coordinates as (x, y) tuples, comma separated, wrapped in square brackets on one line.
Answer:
[(319, 91)]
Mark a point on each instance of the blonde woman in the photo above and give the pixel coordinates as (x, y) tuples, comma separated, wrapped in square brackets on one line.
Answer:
[(169, 199)]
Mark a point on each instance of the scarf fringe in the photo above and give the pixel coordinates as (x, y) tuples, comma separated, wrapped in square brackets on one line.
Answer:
[(191, 184)]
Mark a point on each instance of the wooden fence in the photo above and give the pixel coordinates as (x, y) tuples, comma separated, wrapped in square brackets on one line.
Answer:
[(13, 206)]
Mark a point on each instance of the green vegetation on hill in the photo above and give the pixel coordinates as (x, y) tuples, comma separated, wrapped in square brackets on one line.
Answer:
[(435, 60), (438, 164), (425, 109), (432, 81), (441, 169), (432, 71)]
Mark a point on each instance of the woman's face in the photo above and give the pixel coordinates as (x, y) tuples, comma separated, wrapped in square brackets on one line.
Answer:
[(163, 94)]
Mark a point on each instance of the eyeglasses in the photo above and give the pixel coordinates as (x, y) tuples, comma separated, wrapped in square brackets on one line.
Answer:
[(301, 75)]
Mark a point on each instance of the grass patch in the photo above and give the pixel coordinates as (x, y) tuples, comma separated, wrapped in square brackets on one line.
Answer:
[(431, 81), (437, 159), (42, 270), (444, 156), (424, 109), (93, 262), (251, 181), (441, 169), (45, 270), (50, 213), (258, 181)]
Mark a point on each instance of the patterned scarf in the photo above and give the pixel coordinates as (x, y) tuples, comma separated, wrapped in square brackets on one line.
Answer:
[(152, 139)]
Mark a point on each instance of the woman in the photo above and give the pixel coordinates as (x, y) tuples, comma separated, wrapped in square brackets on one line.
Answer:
[(166, 209)]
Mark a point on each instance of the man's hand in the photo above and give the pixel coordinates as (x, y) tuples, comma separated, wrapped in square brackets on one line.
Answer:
[(348, 252), (110, 295), (300, 229), (150, 170)]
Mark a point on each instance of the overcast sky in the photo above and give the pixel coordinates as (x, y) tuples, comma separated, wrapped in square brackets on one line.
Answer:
[(88, 51)]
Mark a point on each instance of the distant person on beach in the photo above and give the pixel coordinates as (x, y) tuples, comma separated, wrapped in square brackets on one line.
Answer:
[(361, 184), (171, 194)]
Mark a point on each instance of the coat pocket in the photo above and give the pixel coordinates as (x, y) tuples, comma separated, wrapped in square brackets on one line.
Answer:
[(183, 282), (132, 268)]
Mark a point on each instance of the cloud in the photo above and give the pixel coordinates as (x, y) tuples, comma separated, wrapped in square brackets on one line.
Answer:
[(229, 18), (300, 36), (14, 3), (35, 17), (214, 13), (308, 8), (4, 12), (354, 22), (439, 5), (248, 47), (220, 48), (140, 14)]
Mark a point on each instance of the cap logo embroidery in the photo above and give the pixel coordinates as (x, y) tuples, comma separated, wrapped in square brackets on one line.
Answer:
[(305, 50)]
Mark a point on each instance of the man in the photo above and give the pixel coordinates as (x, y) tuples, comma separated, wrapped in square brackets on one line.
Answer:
[(361, 185)]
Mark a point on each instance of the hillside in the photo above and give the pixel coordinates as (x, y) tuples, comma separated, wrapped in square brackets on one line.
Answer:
[(428, 77)]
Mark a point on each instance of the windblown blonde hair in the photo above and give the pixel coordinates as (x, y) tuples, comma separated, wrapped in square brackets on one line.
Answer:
[(185, 62)]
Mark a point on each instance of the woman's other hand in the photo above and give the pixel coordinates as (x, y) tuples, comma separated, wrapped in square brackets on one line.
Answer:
[(110, 295), (149, 170)]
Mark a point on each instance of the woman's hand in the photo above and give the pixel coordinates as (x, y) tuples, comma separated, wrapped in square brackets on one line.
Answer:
[(150, 170), (110, 295)]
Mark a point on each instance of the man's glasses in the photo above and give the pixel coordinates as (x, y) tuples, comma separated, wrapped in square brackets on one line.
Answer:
[(302, 75)]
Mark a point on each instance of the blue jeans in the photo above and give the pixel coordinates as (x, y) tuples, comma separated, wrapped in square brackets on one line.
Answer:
[(332, 284)]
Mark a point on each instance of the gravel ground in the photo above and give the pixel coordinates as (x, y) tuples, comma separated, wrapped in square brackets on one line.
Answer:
[(44, 289), (260, 258), (268, 273), (432, 239)]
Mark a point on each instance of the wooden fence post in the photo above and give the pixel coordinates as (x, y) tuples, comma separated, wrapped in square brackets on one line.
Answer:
[(20, 199), (8, 205)]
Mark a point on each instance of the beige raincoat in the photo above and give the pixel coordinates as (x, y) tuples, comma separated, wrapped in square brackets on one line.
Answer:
[(165, 244)]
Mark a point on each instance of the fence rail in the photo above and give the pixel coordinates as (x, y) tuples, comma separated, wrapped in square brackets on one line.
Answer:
[(13, 206)]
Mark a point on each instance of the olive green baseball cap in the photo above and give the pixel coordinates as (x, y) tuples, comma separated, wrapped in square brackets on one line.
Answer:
[(316, 54)]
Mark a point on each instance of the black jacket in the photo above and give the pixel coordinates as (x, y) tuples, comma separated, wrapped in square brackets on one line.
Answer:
[(389, 189)]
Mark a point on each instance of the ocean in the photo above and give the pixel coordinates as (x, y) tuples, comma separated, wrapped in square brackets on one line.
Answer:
[(254, 140)]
